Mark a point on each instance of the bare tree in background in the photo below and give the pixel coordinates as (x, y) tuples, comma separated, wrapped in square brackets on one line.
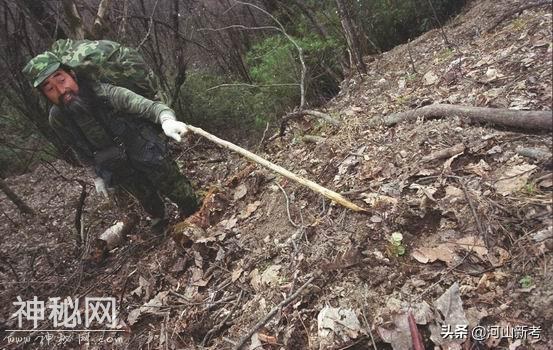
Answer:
[(352, 37)]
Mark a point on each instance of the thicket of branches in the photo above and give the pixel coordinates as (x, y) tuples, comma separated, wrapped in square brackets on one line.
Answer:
[(222, 62)]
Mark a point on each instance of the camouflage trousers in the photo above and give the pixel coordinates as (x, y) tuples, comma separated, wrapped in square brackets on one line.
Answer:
[(149, 185)]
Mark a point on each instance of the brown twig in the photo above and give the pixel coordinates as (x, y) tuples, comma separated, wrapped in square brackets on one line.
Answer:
[(78, 215), (479, 225), (416, 337), (368, 328), (297, 114), (125, 286), (270, 315), (150, 25), (288, 207), (207, 337)]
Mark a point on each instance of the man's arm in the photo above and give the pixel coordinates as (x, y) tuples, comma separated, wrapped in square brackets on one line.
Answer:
[(127, 101)]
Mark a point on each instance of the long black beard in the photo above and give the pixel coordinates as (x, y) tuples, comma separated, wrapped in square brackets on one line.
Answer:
[(86, 102)]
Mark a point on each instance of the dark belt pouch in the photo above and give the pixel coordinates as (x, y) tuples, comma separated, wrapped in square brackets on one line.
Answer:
[(113, 159)]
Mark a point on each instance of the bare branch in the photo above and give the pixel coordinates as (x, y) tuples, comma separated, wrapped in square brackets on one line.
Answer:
[(239, 26), (298, 48), (99, 23), (250, 85), (74, 18), (150, 25)]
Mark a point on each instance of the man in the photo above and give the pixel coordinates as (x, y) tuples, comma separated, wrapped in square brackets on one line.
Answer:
[(109, 128)]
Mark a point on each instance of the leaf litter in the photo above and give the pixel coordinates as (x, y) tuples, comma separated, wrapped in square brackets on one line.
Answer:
[(473, 223)]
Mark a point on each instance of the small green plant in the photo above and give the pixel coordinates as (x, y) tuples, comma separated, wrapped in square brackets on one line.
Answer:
[(526, 281), (444, 54), (530, 188), (402, 100), (396, 247), (519, 24), (411, 77)]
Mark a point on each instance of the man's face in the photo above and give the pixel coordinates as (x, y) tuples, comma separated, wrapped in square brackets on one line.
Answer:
[(60, 88)]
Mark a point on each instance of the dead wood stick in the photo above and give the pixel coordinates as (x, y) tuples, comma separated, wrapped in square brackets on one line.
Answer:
[(444, 153), (535, 153), (525, 120), (278, 169), (78, 215), (327, 118), (312, 139), (270, 315), (416, 337), (19, 203), (515, 11)]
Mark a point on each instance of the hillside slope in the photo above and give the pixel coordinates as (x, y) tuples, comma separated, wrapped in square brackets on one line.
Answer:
[(476, 228)]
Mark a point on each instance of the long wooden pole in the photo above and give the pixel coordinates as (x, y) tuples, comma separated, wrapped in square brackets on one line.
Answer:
[(278, 169)]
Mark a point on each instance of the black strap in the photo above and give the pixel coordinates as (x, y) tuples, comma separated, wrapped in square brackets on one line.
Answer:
[(116, 140), (92, 149)]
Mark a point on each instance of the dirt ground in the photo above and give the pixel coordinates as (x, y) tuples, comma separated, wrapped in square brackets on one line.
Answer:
[(460, 241)]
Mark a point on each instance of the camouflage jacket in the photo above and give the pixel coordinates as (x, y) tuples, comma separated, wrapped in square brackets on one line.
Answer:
[(123, 103)]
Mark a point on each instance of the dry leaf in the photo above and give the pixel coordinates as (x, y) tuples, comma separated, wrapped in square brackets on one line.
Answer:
[(397, 333), (442, 252), (228, 224), (498, 256), (481, 168), (450, 306), (337, 324), (240, 192), (270, 275), (255, 279), (264, 338), (374, 199), (250, 208), (430, 78), (513, 179), (475, 244), (236, 274), (151, 307)]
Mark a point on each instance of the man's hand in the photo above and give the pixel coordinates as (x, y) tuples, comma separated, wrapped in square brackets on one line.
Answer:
[(101, 186), (174, 129)]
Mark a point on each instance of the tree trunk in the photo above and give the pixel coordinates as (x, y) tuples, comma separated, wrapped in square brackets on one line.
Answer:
[(74, 19), (99, 27), (356, 55), (22, 206)]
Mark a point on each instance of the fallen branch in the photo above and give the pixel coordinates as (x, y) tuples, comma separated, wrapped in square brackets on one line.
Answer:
[(19, 203), (312, 139), (218, 327), (278, 169), (515, 11), (270, 315), (416, 337), (535, 153), (327, 118), (79, 227), (525, 120), (444, 153)]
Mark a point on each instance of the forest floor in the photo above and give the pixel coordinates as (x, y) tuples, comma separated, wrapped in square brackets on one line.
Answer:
[(462, 243)]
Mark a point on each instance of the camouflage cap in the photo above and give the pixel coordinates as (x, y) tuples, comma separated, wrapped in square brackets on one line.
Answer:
[(41, 66)]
